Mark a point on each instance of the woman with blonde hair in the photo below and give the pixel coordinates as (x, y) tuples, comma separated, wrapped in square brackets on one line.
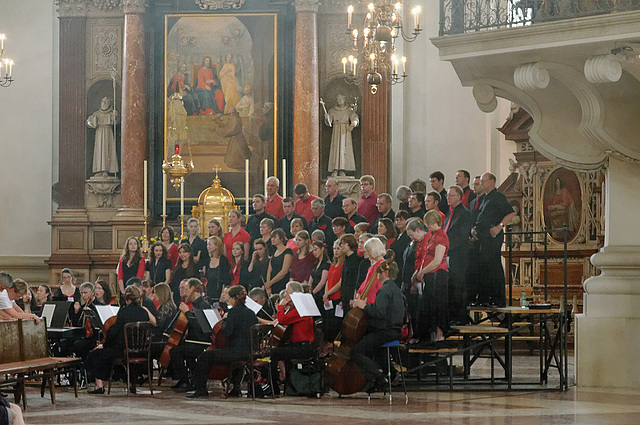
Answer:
[(217, 269)]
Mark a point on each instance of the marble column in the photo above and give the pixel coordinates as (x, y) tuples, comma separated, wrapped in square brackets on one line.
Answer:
[(72, 112), (608, 330), (134, 109), (375, 134), (306, 127)]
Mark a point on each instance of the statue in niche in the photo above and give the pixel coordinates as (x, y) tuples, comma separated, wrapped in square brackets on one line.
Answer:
[(343, 119), (105, 160)]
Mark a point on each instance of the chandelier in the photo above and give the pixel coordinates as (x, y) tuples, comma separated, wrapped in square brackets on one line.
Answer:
[(374, 46), (6, 75), (177, 169)]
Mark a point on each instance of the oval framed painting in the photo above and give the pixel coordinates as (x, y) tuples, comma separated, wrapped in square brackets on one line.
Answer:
[(562, 204)]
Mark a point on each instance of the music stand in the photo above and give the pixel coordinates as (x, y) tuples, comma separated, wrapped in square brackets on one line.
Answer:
[(60, 313)]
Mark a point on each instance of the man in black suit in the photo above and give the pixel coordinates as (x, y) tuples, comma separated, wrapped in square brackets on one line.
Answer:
[(321, 222), (253, 222), (437, 183), (333, 200), (384, 208), (289, 214), (473, 269), (457, 225), (350, 208)]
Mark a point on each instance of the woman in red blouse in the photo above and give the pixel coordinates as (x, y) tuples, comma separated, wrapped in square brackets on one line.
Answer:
[(237, 258), (332, 295), (166, 235), (431, 270), (375, 250)]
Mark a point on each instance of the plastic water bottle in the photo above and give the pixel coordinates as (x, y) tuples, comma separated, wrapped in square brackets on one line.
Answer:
[(523, 300)]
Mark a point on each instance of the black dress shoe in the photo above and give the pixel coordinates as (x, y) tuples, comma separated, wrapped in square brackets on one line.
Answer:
[(198, 394), (381, 385), (234, 393), (97, 391), (184, 388), (177, 384)]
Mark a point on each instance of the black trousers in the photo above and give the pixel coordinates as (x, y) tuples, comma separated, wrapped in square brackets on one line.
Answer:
[(474, 277), (363, 352), (491, 271), (99, 361), (434, 305), (179, 356), (297, 350), (458, 287), (219, 356)]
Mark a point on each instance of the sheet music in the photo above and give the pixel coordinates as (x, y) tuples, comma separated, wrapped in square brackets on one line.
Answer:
[(106, 311), (305, 304), (339, 311), (328, 307), (213, 316), (252, 305), (47, 312)]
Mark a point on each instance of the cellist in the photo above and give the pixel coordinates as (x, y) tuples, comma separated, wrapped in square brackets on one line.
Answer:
[(196, 341), (86, 343), (300, 346), (385, 318), (235, 326)]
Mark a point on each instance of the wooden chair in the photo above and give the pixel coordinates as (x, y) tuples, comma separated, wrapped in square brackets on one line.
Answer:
[(137, 340)]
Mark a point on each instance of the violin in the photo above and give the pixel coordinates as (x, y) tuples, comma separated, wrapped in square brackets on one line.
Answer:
[(280, 333), (341, 373)]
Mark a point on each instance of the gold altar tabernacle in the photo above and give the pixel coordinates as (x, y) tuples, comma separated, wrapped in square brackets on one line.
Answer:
[(214, 202)]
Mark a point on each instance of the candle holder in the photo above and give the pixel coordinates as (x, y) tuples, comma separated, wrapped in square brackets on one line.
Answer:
[(164, 220), (177, 169), (144, 241)]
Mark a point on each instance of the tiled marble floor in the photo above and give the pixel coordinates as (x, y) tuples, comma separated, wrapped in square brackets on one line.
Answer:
[(577, 406)]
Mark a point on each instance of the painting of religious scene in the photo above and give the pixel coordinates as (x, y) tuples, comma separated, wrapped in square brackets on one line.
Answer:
[(562, 204), (220, 85)]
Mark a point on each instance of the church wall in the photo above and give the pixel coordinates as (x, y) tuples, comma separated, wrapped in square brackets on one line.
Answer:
[(436, 122), (27, 125)]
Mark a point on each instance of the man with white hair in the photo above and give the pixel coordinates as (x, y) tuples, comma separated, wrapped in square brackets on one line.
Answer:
[(274, 200), (321, 222)]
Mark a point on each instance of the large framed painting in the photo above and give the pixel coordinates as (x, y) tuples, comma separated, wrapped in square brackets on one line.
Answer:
[(221, 97), (562, 204)]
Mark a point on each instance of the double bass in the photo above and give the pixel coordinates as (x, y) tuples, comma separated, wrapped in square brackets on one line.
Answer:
[(341, 373), (179, 330)]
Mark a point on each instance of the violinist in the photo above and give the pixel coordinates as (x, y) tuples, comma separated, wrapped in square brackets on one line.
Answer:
[(300, 345), (236, 327), (197, 340), (265, 315), (385, 315), (98, 362), (83, 345)]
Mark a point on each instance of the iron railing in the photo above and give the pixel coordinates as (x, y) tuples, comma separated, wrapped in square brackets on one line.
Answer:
[(463, 16)]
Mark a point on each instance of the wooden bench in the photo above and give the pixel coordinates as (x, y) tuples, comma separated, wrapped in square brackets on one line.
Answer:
[(437, 353), (488, 335), (24, 355)]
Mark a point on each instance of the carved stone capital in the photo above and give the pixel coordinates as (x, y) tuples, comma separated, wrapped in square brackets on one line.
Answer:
[(306, 5), (602, 69), (135, 6), (71, 8), (531, 76)]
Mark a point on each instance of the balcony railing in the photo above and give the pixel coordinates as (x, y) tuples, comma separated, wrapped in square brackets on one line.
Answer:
[(463, 16)]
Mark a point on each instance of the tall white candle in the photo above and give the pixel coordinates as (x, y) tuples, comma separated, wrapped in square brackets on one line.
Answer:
[(182, 199), (284, 178), (266, 175), (246, 185), (145, 187), (164, 193)]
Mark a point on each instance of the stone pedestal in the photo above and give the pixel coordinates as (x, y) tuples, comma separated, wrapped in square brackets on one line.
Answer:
[(608, 331), (306, 125), (134, 110)]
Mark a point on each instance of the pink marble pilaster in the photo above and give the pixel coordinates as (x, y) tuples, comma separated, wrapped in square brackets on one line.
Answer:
[(134, 108), (306, 125)]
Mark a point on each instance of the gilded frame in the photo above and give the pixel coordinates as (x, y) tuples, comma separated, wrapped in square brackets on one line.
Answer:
[(206, 129)]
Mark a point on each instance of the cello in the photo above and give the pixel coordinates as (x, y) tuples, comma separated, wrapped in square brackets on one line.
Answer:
[(218, 340), (341, 373), (176, 336)]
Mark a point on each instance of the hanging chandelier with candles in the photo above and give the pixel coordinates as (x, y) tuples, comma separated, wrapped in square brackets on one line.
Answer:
[(374, 45), (6, 74)]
